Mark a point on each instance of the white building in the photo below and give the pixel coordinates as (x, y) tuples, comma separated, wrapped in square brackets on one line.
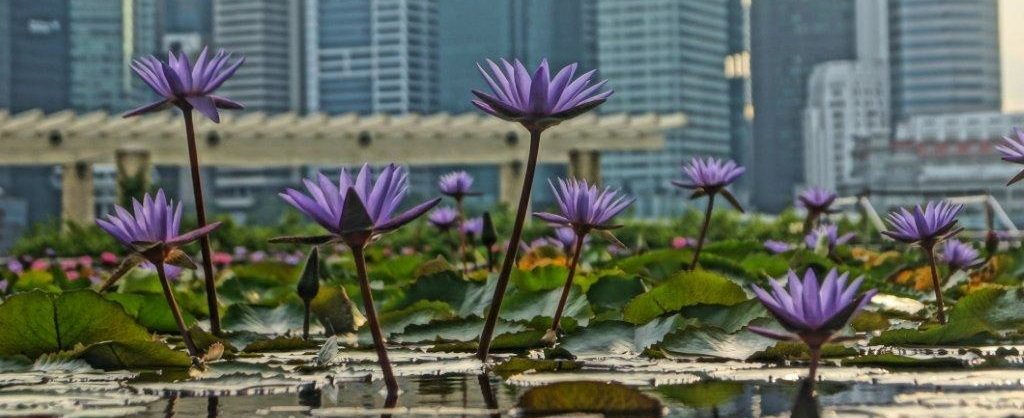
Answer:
[(848, 101), (935, 156)]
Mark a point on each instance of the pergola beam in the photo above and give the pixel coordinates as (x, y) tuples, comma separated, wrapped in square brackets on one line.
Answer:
[(257, 140)]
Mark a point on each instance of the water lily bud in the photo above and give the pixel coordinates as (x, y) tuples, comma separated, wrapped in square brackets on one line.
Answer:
[(309, 282)]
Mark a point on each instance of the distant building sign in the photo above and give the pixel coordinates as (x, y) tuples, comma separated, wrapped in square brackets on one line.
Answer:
[(43, 26)]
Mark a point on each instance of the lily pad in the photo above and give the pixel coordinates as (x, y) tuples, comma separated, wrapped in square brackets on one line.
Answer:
[(117, 355), (684, 289), (517, 365), (35, 322), (281, 343), (893, 361), (588, 397), (702, 394), (151, 310)]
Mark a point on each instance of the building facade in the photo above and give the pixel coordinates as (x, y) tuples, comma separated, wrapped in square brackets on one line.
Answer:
[(936, 156), (741, 103), (34, 64), (847, 102), (665, 56), (104, 38), (372, 56), (944, 56), (789, 37), (268, 33)]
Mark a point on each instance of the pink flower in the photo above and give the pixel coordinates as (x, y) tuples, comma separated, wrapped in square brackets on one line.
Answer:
[(108, 258), (680, 242), (85, 261), (408, 251), (40, 265), (68, 265), (72, 275), (221, 259)]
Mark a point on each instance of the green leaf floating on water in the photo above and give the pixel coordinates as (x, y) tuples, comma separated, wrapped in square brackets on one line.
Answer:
[(540, 278), (686, 288), (612, 292), (518, 365), (975, 318), (35, 323), (117, 355), (280, 343), (702, 394), (589, 397)]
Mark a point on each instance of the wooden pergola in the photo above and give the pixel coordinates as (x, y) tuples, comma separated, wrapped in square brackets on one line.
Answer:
[(255, 140)]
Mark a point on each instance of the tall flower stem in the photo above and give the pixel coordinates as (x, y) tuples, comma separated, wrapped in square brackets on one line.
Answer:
[(812, 374), (175, 311), (930, 253), (703, 231), (371, 317), (462, 237), (204, 242), (809, 222), (513, 247), (305, 320), (577, 250)]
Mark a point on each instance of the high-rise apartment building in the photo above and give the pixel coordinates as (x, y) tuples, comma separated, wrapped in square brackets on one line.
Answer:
[(789, 37), (269, 33), (372, 56), (665, 56), (34, 65), (944, 56)]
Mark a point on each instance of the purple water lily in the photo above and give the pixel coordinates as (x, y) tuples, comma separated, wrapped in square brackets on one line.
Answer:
[(355, 211), (709, 177), (959, 255), (326, 202), (443, 218), (818, 201), (583, 208), (537, 102), (826, 236), (151, 231), (777, 247), (187, 86), (926, 227), (456, 184), (809, 312), (473, 227), (1012, 150)]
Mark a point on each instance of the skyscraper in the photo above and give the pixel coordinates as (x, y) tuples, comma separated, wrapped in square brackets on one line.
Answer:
[(789, 37), (944, 56), (471, 31), (104, 37), (665, 56), (269, 33), (372, 56), (741, 104), (188, 25), (34, 65)]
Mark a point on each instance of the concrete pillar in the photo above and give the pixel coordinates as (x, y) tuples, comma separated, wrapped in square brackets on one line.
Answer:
[(585, 165), (78, 203), (132, 165), (510, 182)]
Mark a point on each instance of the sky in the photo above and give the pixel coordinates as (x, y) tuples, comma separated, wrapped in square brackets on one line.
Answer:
[(1012, 44)]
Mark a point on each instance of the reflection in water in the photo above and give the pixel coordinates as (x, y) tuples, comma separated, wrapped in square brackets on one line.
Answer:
[(806, 403), (310, 396), (485, 390), (212, 406), (172, 403), (390, 403)]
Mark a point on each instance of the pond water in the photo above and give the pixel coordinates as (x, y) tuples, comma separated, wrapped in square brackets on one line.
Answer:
[(442, 384)]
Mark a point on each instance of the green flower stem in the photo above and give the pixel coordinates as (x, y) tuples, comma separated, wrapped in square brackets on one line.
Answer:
[(204, 242), (703, 231), (175, 311), (513, 248), (371, 316), (936, 283), (578, 249)]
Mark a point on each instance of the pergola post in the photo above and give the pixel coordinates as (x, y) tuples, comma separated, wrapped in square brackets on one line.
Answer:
[(78, 204), (585, 165), (133, 167), (510, 182)]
